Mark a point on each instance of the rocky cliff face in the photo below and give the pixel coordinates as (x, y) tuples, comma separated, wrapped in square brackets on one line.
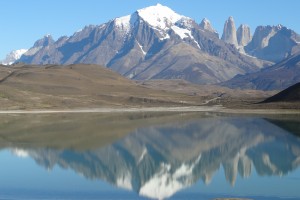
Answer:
[(151, 43), (243, 35), (273, 43), (270, 43), (229, 32), (39, 45)]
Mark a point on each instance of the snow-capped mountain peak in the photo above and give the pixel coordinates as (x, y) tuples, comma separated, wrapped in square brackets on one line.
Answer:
[(159, 16), (13, 56)]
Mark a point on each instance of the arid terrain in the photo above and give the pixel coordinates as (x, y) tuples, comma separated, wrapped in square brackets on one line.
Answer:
[(50, 87), (78, 86)]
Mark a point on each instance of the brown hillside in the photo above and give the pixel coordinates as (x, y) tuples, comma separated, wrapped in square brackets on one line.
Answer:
[(77, 86)]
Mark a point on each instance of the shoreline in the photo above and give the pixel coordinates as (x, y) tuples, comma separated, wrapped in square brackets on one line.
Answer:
[(215, 109), (116, 110)]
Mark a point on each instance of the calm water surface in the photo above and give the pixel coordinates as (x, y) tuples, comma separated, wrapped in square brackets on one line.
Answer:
[(146, 155)]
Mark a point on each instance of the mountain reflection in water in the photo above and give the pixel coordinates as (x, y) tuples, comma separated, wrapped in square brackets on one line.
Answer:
[(156, 155)]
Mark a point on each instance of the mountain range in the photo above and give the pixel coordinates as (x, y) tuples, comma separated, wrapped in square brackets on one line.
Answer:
[(158, 43)]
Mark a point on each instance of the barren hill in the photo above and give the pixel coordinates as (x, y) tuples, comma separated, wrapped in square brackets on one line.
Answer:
[(81, 86)]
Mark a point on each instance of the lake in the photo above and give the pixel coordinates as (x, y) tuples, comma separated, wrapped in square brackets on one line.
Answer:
[(149, 155)]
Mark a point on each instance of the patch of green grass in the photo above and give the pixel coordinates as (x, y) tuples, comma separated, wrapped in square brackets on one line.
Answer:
[(4, 96)]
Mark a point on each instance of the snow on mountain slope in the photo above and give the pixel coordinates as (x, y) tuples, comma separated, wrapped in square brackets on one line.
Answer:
[(125, 23), (159, 16), (163, 19), (13, 56)]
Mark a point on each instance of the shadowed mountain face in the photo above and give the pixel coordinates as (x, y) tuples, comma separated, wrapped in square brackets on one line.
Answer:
[(290, 94), (151, 43), (161, 158), (276, 77)]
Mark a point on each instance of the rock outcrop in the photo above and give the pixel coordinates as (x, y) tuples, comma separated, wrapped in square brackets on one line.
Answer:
[(243, 35), (206, 25), (229, 32)]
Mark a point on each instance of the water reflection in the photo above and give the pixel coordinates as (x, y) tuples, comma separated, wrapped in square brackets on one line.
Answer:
[(156, 155)]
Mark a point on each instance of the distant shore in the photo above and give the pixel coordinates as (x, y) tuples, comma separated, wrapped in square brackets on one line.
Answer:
[(217, 109)]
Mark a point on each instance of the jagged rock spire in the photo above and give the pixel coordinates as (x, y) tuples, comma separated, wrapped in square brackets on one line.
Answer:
[(243, 35), (229, 32)]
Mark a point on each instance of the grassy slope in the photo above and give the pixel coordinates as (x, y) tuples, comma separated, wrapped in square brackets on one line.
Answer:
[(77, 86)]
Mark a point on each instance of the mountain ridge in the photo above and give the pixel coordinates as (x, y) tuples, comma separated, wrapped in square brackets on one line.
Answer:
[(142, 47), (276, 77)]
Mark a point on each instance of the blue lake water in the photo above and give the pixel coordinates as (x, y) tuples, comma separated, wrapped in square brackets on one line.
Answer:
[(149, 156)]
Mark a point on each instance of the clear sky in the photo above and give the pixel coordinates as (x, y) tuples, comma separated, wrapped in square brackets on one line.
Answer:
[(24, 21)]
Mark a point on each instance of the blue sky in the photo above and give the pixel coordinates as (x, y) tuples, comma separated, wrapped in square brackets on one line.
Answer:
[(23, 22)]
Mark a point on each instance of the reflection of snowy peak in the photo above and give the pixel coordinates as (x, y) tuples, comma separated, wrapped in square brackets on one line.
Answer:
[(159, 161), (167, 181), (13, 56)]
